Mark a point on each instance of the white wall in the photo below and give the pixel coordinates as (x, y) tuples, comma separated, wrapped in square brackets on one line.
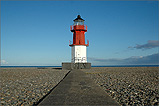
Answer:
[(79, 54)]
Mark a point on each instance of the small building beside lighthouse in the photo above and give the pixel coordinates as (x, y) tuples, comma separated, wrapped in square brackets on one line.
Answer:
[(78, 47)]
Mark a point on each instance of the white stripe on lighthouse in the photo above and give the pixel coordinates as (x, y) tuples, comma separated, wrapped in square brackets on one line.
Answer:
[(79, 54)]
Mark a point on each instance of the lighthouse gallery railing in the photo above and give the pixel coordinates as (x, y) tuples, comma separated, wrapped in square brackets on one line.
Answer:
[(78, 27)]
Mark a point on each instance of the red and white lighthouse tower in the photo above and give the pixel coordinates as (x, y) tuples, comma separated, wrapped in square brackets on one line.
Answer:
[(78, 47), (79, 53)]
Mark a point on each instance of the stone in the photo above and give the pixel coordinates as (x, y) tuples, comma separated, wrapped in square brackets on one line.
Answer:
[(70, 66)]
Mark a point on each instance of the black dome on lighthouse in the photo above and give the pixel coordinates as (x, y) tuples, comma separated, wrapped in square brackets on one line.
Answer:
[(78, 18)]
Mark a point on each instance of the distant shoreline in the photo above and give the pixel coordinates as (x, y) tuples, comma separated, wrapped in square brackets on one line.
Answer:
[(92, 66)]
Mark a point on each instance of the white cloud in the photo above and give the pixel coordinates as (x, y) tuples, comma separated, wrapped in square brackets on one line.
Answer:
[(4, 62)]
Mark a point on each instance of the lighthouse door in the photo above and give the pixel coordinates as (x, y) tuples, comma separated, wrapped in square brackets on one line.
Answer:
[(79, 54)]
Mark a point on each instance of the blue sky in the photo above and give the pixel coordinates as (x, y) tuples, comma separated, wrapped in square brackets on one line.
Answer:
[(119, 32)]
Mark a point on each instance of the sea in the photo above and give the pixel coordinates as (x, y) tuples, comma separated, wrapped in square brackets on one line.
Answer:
[(91, 66)]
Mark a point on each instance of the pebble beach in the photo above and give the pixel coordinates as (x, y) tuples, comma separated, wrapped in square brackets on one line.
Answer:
[(128, 85), (26, 86)]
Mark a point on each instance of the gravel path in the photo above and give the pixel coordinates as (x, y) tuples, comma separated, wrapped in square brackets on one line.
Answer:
[(128, 85), (26, 86)]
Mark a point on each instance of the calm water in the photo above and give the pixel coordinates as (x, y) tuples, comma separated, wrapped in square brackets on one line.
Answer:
[(92, 66)]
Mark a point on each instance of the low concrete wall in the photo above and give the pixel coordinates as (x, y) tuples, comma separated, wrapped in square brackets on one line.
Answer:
[(70, 66)]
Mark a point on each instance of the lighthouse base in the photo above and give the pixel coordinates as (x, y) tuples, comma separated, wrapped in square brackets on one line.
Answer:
[(70, 66)]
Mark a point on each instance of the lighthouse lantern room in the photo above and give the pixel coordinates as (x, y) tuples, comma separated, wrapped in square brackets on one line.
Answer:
[(79, 53)]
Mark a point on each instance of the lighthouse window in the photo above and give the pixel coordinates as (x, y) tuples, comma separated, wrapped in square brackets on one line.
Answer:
[(78, 23)]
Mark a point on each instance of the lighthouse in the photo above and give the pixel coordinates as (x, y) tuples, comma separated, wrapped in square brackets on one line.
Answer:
[(78, 47)]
